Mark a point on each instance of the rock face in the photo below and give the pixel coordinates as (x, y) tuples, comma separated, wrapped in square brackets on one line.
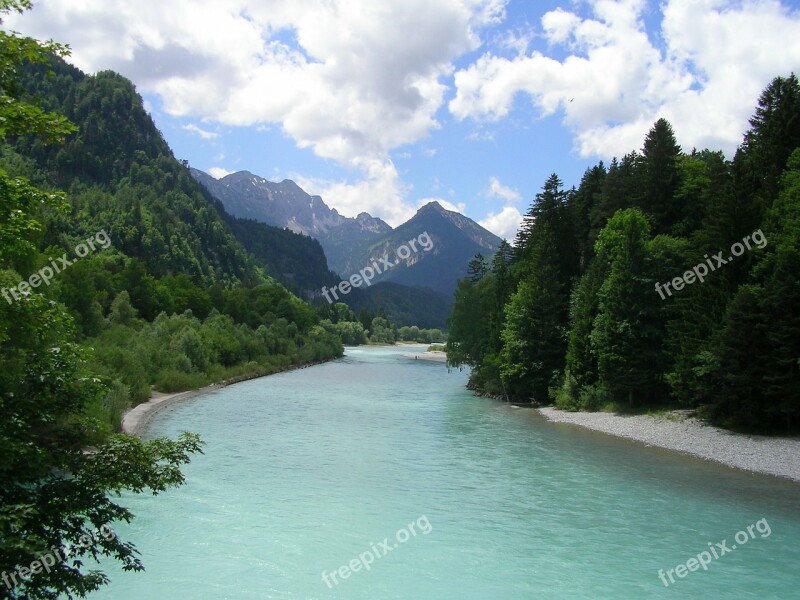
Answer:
[(283, 204), (351, 244)]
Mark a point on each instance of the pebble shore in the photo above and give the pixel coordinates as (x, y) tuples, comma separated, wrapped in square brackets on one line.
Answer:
[(778, 456)]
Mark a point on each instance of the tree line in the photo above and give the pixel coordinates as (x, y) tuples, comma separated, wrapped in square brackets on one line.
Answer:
[(574, 313)]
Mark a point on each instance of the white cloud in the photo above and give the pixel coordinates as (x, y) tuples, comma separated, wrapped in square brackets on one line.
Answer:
[(504, 223), (381, 193), (430, 152), (717, 56), (498, 190), (350, 80), (203, 133), (481, 135), (218, 172)]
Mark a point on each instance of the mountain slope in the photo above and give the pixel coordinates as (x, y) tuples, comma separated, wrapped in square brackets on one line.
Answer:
[(403, 304), (168, 297), (286, 205), (125, 177), (352, 244), (455, 238), (296, 260)]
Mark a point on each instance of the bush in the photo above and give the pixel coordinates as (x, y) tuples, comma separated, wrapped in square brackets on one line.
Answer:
[(170, 380)]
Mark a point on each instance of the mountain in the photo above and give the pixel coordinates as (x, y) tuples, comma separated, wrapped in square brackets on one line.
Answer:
[(169, 297), (340, 242), (124, 177), (352, 244), (296, 260), (286, 205), (454, 238)]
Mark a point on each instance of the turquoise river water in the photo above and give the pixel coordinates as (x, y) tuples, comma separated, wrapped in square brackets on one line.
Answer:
[(443, 495)]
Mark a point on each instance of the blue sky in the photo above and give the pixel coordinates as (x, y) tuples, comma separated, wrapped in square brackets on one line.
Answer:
[(384, 106)]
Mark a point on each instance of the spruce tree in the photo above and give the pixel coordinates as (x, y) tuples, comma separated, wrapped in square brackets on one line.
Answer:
[(661, 177), (759, 347), (534, 337)]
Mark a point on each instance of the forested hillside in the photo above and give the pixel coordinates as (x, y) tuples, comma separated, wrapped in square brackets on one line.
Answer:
[(667, 278), (403, 305), (174, 299)]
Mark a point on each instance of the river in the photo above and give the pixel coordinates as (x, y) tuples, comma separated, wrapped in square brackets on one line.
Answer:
[(442, 495)]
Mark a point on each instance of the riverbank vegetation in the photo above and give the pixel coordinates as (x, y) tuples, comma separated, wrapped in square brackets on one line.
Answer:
[(118, 274), (173, 301), (598, 302), (370, 328)]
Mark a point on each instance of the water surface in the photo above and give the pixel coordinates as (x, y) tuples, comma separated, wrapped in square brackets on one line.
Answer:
[(307, 470)]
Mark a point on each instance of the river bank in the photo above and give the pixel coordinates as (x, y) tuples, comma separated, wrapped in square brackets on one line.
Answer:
[(778, 456), (135, 421), (439, 357)]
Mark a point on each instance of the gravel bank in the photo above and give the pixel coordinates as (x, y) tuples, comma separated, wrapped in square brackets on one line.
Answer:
[(759, 454), (429, 356), (136, 420)]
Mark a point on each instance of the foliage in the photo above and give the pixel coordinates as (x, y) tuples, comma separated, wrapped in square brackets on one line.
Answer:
[(172, 301), (575, 314), (382, 331)]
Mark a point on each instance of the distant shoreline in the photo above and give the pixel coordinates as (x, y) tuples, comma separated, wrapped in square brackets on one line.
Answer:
[(776, 456), (439, 357), (136, 420)]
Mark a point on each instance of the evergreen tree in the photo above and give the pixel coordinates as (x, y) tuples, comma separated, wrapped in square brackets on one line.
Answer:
[(759, 350), (469, 324), (477, 268), (580, 372), (582, 204), (623, 331), (774, 135), (534, 338), (661, 177), (504, 287), (622, 188)]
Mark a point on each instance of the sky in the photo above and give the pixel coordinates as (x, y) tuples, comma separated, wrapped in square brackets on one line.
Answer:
[(385, 105)]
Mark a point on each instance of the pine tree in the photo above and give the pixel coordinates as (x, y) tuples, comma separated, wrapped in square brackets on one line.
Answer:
[(534, 337), (759, 351), (580, 370), (582, 204), (661, 177), (477, 267), (503, 286), (467, 342), (622, 189), (774, 134)]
